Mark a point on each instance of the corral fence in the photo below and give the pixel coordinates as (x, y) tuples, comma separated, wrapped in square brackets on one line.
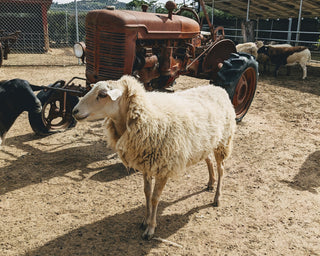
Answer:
[(49, 30), (282, 31)]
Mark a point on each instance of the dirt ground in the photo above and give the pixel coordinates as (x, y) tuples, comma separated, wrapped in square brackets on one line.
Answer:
[(69, 194)]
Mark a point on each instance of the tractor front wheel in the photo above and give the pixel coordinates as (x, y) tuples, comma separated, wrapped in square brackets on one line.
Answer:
[(239, 75)]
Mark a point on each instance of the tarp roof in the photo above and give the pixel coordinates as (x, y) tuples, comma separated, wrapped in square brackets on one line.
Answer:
[(268, 9)]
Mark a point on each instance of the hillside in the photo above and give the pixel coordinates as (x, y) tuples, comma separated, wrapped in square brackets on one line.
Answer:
[(85, 5)]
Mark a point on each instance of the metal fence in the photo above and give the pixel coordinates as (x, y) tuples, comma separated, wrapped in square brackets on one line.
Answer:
[(282, 32), (49, 30)]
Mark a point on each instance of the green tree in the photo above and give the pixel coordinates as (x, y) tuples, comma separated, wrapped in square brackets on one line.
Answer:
[(139, 3)]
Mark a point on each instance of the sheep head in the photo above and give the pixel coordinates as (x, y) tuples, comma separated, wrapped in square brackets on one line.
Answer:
[(100, 102), (259, 44)]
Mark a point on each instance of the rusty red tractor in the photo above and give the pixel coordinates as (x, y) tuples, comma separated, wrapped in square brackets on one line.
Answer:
[(156, 48)]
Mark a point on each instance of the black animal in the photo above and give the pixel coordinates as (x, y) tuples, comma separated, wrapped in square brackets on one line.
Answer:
[(16, 96)]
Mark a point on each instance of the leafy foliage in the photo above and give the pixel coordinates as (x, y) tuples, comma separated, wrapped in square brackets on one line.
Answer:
[(62, 25)]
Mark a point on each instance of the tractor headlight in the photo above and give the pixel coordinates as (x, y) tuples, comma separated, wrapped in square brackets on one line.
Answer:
[(79, 50)]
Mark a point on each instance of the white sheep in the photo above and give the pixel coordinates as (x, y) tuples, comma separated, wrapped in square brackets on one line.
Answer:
[(160, 134), (278, 45), (250, 47)]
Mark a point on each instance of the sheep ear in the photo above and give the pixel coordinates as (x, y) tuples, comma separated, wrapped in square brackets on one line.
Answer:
[(114, 94)]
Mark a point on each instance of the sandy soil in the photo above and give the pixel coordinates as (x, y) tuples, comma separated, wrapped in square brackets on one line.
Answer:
[(69, 194), (60, 56)]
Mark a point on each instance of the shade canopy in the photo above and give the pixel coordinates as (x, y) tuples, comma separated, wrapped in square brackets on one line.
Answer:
[(268, 9)]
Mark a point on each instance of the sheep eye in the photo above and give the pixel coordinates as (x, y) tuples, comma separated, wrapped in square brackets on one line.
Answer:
[(102, 95)]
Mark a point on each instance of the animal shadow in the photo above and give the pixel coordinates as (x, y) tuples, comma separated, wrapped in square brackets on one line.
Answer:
[(118, 234), (308, 177), (112, 172)]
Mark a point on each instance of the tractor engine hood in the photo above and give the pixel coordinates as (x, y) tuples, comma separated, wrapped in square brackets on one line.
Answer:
[(145, 25)]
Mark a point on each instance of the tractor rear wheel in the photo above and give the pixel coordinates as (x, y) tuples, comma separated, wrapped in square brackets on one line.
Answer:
[(239, 75)]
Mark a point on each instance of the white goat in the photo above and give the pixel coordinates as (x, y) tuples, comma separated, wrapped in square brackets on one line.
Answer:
[(160, 134)]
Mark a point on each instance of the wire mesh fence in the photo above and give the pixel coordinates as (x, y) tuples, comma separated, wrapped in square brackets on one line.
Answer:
[(48, 30)]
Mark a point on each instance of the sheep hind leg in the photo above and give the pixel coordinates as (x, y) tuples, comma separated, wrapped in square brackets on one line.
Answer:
[(220, 155), (147, 191), (276, 71), (160, 182), (2, 138), (304, 70), (211, 173)]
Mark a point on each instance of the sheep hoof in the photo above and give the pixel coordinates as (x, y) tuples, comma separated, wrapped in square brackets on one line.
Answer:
[(216, 203), (143, 226), (147, 237), (209, 188), (148, 234)]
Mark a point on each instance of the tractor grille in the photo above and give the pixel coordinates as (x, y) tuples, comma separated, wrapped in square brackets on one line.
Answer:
[(90, 50), (105, 54)]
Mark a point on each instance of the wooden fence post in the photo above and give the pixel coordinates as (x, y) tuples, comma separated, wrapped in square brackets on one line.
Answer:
[(247, 30)]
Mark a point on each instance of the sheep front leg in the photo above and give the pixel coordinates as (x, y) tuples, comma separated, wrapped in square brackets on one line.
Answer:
[(211, 173), (147, 191), (160, 182)]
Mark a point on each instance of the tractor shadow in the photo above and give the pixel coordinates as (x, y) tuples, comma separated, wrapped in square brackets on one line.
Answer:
[(37, 166)]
